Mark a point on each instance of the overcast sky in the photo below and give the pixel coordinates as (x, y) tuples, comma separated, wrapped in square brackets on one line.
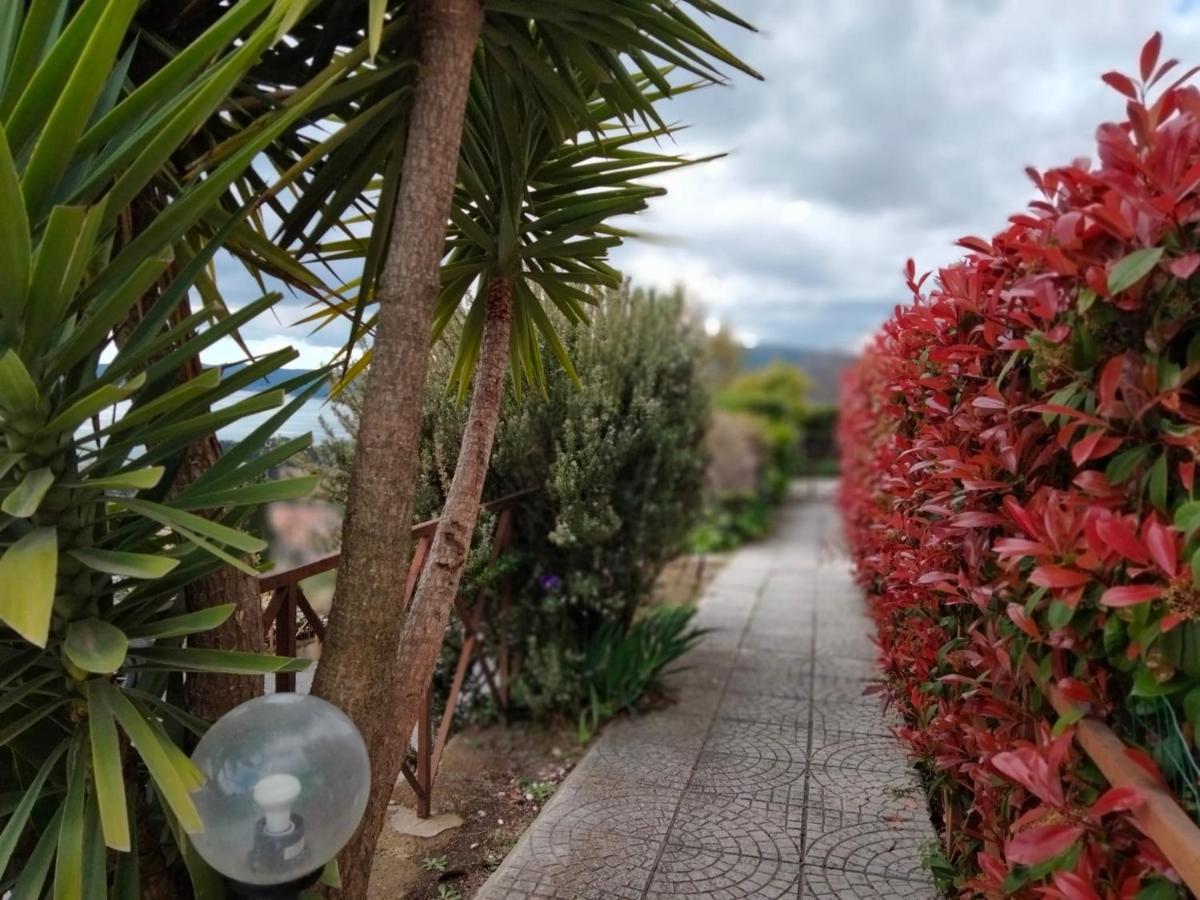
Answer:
[(885, 129)]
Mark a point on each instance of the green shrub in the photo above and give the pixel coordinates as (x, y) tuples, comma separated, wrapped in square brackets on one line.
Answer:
[(775, 396), (618, 463)]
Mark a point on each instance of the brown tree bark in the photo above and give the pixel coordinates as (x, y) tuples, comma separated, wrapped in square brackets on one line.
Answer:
[(210, 695), (427, 616), (367, 613)]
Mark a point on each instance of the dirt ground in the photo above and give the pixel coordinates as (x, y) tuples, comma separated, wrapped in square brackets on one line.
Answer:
[(495, 779)]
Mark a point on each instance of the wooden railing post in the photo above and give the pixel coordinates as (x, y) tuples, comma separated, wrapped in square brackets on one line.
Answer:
[(285, 637), (425, 757)]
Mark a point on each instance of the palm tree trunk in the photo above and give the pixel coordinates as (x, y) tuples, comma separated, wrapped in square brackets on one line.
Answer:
[(210, 695), (426, 618), (367, 613)]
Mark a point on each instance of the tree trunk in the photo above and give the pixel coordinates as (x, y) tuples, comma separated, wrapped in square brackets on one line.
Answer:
[(426, 618), (210, 695), (367, 613)]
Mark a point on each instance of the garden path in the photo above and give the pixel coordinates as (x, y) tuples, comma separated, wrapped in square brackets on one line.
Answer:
[(772, 776)]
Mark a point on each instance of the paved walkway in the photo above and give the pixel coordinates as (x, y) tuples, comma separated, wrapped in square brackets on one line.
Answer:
[(772, 776)]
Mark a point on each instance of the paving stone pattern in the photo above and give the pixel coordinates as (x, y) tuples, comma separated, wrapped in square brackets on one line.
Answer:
[(771, 776)]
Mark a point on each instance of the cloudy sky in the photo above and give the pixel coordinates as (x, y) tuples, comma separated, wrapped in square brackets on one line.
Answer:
[(885, 129)]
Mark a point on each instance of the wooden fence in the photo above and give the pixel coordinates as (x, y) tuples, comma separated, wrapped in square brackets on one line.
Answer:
[(1159, 816), (289, 616)]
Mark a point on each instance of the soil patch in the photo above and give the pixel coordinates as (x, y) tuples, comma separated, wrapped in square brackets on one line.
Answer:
[(496, 779)]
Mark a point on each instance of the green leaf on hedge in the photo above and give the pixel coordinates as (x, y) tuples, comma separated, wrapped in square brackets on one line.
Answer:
[(106, 769), (1066, 720), (1123, 465), (18, 392), (1191, 706), (1133, 268), (135, 480), (178, 519), (96, 646), (15, 826), (1114, 635), (1187, 517), (1158, 482), (1146, 685), (1059, 614), (1159, 889), (170, 784), (28, 571)]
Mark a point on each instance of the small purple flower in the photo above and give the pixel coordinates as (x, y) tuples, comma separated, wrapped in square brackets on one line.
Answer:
[(550, 583)]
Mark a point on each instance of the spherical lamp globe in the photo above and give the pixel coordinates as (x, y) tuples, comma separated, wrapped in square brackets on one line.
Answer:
[(287, 777)]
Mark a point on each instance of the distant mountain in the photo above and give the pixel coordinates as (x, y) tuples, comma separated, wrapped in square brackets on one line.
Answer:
[(276, 378), (824, 367)]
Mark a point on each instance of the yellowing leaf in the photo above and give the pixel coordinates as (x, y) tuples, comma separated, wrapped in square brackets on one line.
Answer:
[(28, 571)]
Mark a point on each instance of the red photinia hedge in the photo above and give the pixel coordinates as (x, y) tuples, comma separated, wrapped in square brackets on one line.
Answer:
[(1019, 449)]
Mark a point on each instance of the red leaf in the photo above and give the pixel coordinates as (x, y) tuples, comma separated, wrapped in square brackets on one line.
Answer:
[(1016, 612), (978, 244), (987, 403), (1120, 537), (1160, 541), (1037, 845), (1121, 83), (1085, 447), (1130, 594), (1117, 799), (978, 520), (1072, 887), (1170, 621), (1143, 759), (1149, 57), (1058, 577), (1110, 375), (1184, 266), (1021, 516)]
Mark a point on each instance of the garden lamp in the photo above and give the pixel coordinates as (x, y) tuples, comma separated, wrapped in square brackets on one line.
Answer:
[(286, 782)]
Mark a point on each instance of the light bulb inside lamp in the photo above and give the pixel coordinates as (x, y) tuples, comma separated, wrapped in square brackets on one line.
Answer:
[(275, 795)]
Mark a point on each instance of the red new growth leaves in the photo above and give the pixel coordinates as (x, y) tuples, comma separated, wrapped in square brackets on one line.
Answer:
[(1019, 449)]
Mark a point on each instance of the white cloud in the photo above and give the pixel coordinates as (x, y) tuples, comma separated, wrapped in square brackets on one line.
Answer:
[(884, 130)]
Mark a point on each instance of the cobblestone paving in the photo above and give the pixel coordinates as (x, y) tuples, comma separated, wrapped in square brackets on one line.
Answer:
[(771, 776)]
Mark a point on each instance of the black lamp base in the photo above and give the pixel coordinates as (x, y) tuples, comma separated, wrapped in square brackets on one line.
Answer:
[(289, 891)]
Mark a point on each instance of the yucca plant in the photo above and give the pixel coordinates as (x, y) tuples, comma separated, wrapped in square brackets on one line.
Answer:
[(400, 124), (97, 541)]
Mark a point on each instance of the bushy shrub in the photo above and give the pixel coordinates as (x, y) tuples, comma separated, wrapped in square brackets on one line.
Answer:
[(775, 396), (755, 447), (618, 464), (1019, 447)]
